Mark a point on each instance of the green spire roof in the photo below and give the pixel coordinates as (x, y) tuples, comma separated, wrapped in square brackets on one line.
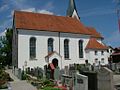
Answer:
[(71, 8)]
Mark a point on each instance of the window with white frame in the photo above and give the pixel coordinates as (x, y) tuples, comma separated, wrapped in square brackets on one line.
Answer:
[(32, 46), (66, 48), (50, 45), (96, 52), (102, 52), (80, 48), (102, 60), (96, 60)]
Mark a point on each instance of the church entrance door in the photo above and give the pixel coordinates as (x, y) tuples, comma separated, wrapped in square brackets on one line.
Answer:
[(55, 62)]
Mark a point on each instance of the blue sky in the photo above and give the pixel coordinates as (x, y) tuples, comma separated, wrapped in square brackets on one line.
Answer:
[(100, 14)]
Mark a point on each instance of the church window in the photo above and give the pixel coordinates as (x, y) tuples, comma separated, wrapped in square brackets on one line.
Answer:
[(32, 48), (102, 52), (96, 52), (102, 60), (96, 60), (66, 48), (80, 48), (50, 45), (110, 51)]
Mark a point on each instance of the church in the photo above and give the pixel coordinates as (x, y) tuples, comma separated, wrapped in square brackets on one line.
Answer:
[(42, 39)]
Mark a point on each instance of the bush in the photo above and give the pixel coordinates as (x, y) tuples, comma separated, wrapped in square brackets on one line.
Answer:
[(2, 82), (51, 88), (3, 86), (24, 76), (4, 77), (46, 82)]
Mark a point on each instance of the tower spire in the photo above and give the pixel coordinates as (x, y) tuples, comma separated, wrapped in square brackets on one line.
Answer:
[(72, 11)]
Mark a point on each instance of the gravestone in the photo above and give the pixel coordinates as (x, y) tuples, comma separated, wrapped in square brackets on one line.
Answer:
[(72, 70), (61, 72), (66, 70), (45, 70), (118, 67), (40, 72), (32, 72), (56, 73), (36, 72), (81, 82), (113, 66), (105, 79), (92, 77), (67, 81), (28, 70), (19, 73), (16, 72), (48, 73)]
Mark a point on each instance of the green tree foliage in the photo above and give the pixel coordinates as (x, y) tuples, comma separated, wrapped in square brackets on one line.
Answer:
[(6, 50)]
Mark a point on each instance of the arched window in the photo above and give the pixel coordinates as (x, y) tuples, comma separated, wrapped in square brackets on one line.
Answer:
[(102, 52), (102, 60), (96, 52), (32, 47), (50, 45), (66, 48), (80, 48)]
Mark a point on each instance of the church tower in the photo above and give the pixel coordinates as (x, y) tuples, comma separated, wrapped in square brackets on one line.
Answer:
[(72, 11)]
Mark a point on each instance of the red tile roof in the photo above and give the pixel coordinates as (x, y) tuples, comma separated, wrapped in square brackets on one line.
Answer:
[(37, 21), (94, 33), (51, 53), (94, 44), (116, 53)]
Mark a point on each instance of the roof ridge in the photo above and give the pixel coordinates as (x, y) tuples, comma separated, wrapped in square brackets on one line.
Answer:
[(42, 14)]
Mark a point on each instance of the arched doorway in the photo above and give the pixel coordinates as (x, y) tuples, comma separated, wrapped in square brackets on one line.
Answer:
[(55, 62)]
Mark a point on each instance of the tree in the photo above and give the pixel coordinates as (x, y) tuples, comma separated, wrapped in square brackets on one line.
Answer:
[(6, 50)]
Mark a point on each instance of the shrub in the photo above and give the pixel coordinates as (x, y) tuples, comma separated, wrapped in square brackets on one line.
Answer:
[(51, 88), (46, 82), (24, 76), (4, 77)]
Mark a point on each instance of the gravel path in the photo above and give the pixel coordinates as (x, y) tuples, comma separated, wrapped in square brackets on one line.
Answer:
[(18, 84)]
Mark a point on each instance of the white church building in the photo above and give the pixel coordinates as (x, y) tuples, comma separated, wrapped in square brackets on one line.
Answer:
[(41, 39)]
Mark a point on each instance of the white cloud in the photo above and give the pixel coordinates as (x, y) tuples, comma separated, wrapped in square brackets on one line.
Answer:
[(6, 24), (117, 1), (45, 12), (3, 33), (4, 7), (48, 6), (32, 10), (29, 10), (18, 4), (37, 11)]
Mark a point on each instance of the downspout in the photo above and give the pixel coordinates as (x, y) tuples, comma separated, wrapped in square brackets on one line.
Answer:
[(59, 41), (59, 48)]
